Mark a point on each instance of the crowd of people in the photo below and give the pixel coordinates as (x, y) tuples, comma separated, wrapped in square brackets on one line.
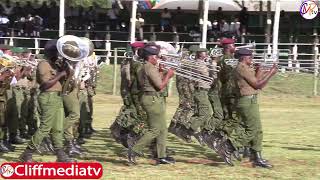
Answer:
[(222, 114), (48, 102), (30, 18)]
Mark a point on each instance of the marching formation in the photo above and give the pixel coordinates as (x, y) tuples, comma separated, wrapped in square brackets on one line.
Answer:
[(218, 103), (48, 100)]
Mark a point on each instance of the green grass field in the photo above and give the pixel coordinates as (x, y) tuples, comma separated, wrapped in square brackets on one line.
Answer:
[(291, 127)]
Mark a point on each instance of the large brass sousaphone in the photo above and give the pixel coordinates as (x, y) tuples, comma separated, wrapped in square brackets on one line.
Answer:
[(74, 49)]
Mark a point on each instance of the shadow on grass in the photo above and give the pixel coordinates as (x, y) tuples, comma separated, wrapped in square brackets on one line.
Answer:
[(300, 149)]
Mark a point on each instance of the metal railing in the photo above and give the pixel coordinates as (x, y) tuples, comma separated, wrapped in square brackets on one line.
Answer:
[(296, 61)]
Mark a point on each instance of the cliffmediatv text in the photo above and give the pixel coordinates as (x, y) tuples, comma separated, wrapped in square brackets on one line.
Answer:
[(51, 170)]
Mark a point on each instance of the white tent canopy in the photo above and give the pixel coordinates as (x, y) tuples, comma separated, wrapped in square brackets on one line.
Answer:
[(227, 5), (230, 5)]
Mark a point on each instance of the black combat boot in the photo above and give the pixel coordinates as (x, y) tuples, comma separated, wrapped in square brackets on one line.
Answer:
[(132, 156), (225, 151), (236, 155), (49, 145), (63, 157), (182, 132), (77, 145), (7, 143), (166, 160), (199, 137), (16, 139), (80, 140), (26, 156), (246, 152), (24, 135), (43, 149), (3, 147), (91, 128), (71, 150), (85, 133), (257, 160)]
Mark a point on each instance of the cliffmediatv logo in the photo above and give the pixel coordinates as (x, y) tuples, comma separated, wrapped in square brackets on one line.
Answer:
[(309, 9), (51, 171)]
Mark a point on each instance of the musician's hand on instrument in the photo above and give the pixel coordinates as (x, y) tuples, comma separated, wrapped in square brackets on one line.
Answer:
[(274, 69), (63, 73), (170, 72), (7, 74)]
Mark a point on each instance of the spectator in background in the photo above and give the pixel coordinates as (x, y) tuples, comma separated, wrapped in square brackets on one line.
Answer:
[(243, 18), (219, 17), (18, 11), (224, 26), (165, 19), (92, 16), (178, 19), (124, 16), (53, 16), (113, 17), (139, 26), (7, 8), (4, 23), (235, 27), (29, 10), (29, 26), (44, 13), (82, 18)]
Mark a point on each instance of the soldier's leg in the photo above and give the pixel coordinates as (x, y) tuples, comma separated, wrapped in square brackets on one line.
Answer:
[(33, 115), (216, 106), (204, 110), (3, 147), (25, 115), (72, 110), (90, 119), (153, 107), (51, 120), (17, 122), (84, 114)]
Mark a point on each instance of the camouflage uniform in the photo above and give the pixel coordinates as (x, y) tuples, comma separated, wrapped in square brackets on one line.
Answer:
[(228, 97), (185, 89), (128, 125)]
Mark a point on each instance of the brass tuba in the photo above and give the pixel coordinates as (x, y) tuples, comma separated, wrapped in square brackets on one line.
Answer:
[(74, 49)]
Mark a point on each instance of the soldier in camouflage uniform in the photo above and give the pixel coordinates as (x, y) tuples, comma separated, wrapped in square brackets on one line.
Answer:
[(5, 79), (21, 98), (184, 111), (129, 124)]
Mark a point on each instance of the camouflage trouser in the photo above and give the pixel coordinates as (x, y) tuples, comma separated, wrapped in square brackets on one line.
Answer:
[(34, 117), (186, 105), (3, 125), (203, 111), (141, 113), (84, 108), (20, 110), (228, 104)]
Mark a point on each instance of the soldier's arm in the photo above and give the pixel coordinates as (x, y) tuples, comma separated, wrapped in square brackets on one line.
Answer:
[(154, 75), (253, 81), (44, 73)]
